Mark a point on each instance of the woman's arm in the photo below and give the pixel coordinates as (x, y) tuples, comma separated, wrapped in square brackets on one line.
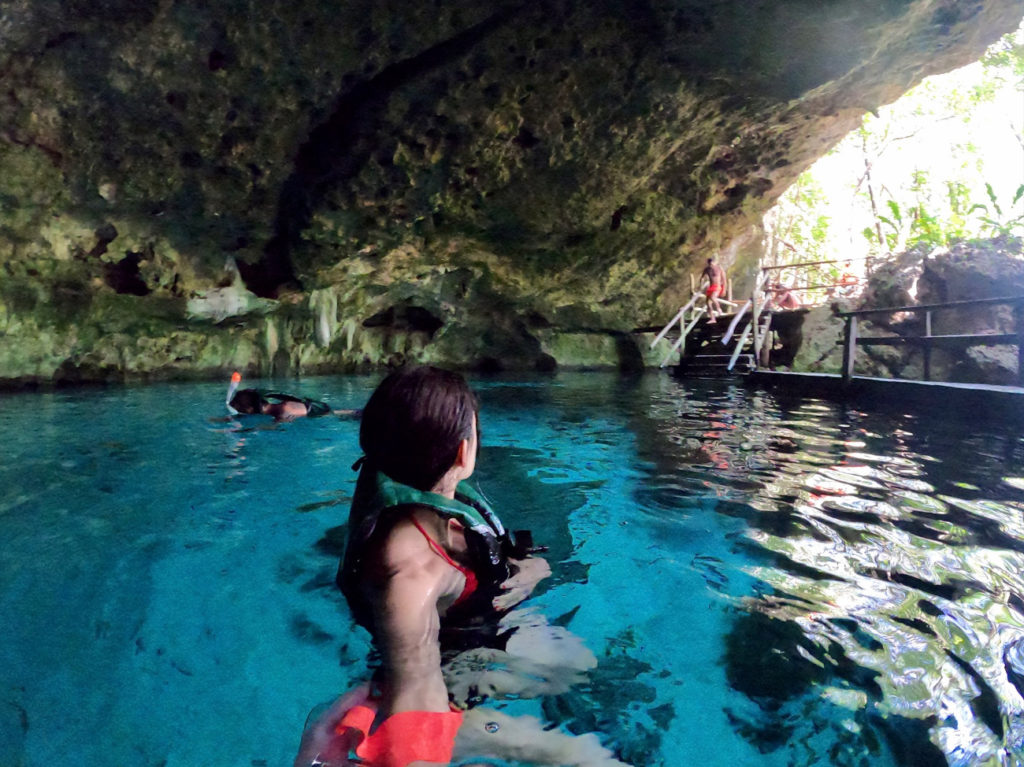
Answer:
[(408, 624), (407, 621)]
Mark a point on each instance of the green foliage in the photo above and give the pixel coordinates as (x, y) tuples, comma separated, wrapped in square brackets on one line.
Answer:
[(1000, 224), (904, 197), (1004, 61), (799, 229), (927, 229), (895, 212)]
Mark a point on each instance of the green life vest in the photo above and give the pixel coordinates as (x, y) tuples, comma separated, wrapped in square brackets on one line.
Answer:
[(377, 496)]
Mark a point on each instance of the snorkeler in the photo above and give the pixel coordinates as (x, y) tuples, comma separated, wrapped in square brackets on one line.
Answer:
[(426, 555), (282, 407)]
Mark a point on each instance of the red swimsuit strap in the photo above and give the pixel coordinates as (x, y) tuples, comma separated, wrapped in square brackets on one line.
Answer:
[(471, 582)]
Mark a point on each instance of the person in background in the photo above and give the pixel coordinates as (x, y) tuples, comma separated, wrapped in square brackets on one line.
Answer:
[(715, 276), (426, 556), (847, 281), (783, 298), (282, 407)]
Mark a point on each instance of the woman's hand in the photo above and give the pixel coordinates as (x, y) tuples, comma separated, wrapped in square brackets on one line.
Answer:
[(531, 571), (319, 743)]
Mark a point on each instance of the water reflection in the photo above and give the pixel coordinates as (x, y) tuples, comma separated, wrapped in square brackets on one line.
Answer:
[(765, 581), (888, 558)]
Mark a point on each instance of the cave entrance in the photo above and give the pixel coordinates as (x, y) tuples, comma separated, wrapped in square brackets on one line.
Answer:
[(942, 164)]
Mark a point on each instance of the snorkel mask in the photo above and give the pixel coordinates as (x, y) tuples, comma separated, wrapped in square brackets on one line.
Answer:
[(236, 378)]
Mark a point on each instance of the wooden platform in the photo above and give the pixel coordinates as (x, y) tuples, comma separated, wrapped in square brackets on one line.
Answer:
[(983, 400)]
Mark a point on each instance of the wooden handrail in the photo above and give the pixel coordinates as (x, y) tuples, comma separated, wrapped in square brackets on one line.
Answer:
[(976, 339), (798, 288), (923, 307), (927, 341), (735, 322), (678, 316), (684, 331), (818, 263)]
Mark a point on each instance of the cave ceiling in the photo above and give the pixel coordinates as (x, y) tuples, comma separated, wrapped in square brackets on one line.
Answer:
[(564, 160)]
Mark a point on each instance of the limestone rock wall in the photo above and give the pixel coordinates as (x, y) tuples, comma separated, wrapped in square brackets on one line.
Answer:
[(966, 271), (319, 185)]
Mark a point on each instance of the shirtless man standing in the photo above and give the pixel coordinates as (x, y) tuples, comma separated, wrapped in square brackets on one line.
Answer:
[(716, 284)]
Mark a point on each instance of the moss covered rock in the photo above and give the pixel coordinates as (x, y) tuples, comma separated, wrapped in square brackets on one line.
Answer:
[(395, 181)]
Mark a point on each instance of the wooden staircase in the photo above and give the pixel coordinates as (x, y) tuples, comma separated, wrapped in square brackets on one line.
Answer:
[(714, 365), (718, 349), (705, 356)]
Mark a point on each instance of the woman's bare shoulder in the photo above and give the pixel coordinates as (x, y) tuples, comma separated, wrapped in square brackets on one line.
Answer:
[(406, 546)]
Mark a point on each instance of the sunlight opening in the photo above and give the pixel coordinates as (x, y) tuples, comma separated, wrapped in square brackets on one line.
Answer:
[(942, 164)]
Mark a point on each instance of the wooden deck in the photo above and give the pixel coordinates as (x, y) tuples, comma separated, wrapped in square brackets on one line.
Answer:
[(984, 400)]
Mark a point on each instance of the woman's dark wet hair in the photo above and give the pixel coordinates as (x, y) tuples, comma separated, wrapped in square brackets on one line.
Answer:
[(247, 402), (412, 426)]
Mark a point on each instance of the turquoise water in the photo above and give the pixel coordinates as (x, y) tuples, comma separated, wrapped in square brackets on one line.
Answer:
[(764, 580)]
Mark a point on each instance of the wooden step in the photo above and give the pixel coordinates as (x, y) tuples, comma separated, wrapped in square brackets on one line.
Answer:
[(715, 365)]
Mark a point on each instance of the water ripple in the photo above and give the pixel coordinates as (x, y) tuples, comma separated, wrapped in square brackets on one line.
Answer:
[(896, 546)]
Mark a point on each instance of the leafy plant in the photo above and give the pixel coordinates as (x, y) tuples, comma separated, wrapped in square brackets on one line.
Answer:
[(1001, 224), (954, 193)]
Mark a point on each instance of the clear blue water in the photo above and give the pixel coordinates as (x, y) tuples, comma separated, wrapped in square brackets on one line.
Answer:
[(764, 580)]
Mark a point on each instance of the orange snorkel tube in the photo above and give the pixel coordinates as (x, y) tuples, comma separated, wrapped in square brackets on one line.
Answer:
[(236, 378)]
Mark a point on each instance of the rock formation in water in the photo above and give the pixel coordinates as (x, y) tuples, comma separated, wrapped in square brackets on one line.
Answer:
[(302, 186)]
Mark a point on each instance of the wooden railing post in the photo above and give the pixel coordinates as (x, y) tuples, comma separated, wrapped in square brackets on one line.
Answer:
[(754, 311), (849, 349), (1018, 321), (927, 351), (682, 337)]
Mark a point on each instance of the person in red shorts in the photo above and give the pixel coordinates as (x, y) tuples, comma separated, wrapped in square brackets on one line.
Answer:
[(716, 284)]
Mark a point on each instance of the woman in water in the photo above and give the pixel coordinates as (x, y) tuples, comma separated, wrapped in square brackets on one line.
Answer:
[(425, 557)]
